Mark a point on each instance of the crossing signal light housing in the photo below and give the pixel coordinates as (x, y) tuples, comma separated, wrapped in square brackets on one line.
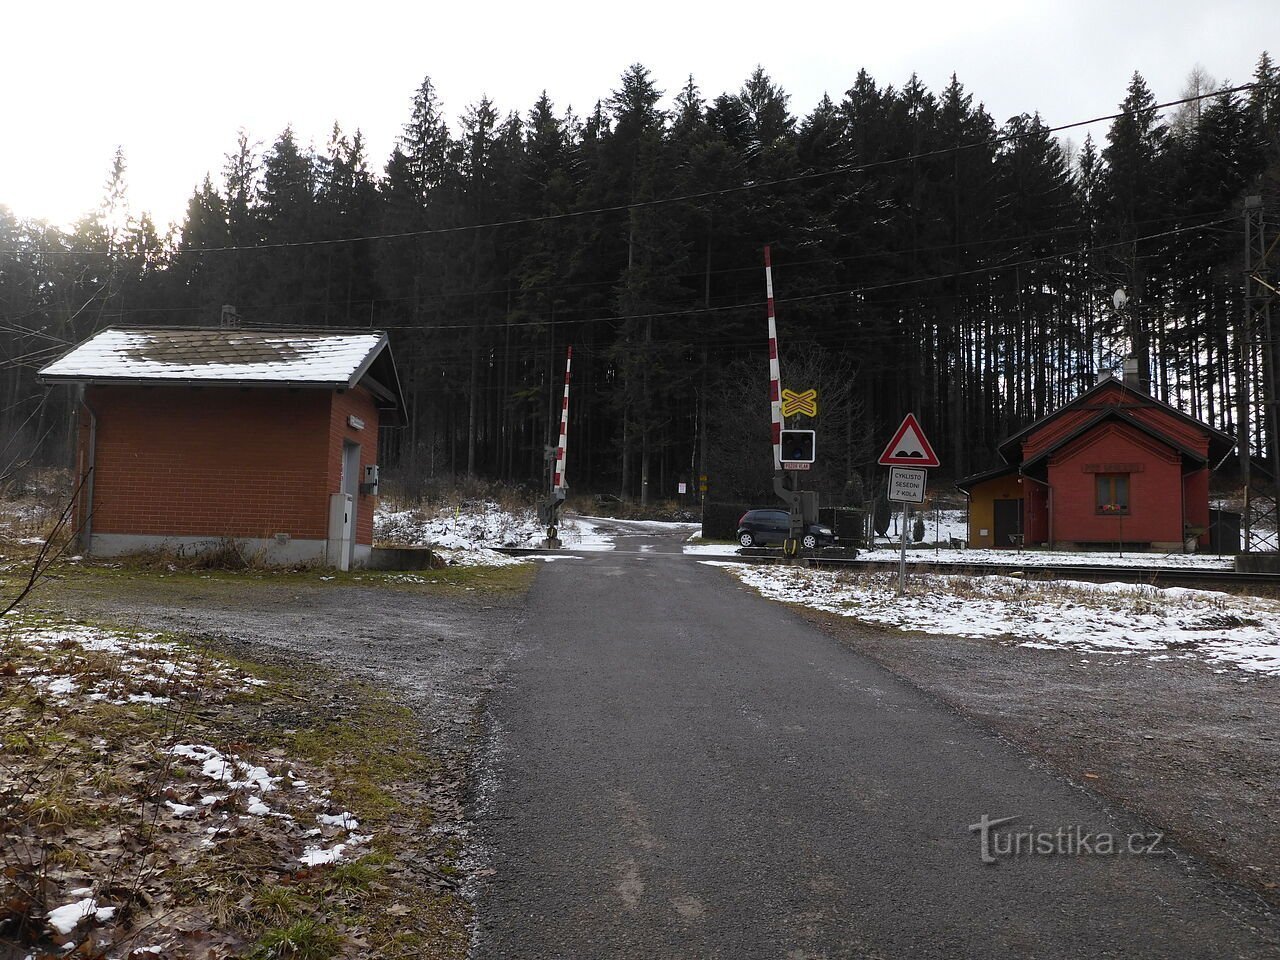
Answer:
[(798, 446)]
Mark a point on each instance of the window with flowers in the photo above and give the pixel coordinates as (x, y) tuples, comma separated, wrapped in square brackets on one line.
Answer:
[(1113, 494)]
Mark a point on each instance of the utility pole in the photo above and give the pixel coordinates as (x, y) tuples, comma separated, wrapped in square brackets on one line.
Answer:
[(701, 472), (1259, 291)]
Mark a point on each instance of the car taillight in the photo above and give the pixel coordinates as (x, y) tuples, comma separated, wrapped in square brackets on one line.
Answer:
[(741, 519)]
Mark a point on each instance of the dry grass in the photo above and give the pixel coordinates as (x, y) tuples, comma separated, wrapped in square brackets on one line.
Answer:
[(87, 788), (29, 514), (224, 553), (434, 494)]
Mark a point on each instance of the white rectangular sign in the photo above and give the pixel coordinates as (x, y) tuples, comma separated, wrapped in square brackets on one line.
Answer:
[(906, 484), (796, 465)]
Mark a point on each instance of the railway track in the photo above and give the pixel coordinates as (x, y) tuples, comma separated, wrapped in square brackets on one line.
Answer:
[(1154, 576)]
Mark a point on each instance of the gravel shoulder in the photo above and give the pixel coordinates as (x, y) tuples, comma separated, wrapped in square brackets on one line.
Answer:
[(1192, 751), (437, 637)]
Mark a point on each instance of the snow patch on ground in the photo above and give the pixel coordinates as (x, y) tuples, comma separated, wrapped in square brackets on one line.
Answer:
[(237, 780), (470, 535), (479, 557), (80, 662), (710, 549), (142, 668), (586, 533), (67, 918), (886, 553), (1219, 629), (940, 526), (647, 526), (470, 527)]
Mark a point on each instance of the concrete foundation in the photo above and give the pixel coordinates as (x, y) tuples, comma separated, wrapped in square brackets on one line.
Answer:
[(403, 558), (1258, 562), (268, 550), (1158, 546)]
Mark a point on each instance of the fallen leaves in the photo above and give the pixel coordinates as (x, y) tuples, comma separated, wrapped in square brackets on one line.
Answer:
[(162, 789)]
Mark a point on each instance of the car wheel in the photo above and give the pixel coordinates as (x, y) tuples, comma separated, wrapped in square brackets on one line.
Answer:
[(810, 541), (746, 539)]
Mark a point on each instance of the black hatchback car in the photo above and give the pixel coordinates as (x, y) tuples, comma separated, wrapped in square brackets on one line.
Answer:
[(763, 528)]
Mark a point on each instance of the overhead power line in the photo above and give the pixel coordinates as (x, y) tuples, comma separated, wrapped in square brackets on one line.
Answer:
[(724, 191), (842, 293), (754, 185), (1055, 233)]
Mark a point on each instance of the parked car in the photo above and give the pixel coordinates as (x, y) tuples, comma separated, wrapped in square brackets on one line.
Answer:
[(769, 527)]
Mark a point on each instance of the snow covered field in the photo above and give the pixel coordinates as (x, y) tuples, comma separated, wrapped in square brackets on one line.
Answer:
[(469, 536), (1224, 631), (944, 525), (935, 548), (1051, 558), (1027, 558), (940, 526)]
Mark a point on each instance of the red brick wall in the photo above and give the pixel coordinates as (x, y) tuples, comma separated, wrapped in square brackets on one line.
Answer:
[(218, 461), (358, 403), (1155, 493), (1195, 496)]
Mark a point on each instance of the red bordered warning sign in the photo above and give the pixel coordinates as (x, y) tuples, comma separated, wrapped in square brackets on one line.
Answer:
[(909, 447)]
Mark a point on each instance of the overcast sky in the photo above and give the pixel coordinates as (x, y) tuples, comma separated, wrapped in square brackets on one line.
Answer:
[(173, 81)]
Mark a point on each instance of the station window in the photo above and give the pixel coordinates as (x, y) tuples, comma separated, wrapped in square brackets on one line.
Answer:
[(1113, 494)]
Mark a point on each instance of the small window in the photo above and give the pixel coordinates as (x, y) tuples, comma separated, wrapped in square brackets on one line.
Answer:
[(1113, 494)]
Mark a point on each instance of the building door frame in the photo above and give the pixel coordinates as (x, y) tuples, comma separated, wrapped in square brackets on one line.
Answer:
[(1006, 523)]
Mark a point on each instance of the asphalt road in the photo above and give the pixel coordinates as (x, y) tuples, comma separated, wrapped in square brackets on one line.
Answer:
[(679, 768)]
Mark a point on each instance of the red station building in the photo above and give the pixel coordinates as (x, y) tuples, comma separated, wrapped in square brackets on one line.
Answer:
[(1114, 466)]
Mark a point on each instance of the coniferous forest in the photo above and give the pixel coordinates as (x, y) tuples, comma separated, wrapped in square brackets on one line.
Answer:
[(927, 256)]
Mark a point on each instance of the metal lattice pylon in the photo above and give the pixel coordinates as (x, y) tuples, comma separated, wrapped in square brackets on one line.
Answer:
[(1261, 362)]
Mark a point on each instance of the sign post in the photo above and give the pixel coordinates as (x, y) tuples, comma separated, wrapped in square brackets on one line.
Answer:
[(907, 456)]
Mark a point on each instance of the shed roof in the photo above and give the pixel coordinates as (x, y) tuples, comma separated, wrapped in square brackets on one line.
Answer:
[(182, 355), (968, 483), (1114, 413), (1220, 444)]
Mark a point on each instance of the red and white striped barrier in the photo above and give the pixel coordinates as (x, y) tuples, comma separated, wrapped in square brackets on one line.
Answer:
[(775, 376), (557, 480)]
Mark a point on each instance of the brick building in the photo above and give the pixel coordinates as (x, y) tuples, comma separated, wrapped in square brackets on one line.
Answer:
[(1113, 466), (189, 437)]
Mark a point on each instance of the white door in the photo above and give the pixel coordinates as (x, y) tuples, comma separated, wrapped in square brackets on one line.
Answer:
[(338, 548), (351, 487)]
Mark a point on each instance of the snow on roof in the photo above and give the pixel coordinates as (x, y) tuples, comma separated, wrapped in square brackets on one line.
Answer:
[(186, 355)]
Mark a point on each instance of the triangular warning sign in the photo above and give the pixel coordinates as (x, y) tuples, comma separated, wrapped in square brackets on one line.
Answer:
[(909, 447)]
